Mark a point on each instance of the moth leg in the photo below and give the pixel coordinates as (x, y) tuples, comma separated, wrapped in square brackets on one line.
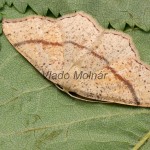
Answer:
[(59, 87), (76, 96)]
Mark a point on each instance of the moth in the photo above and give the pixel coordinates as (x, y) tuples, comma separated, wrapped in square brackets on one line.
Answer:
[(81, 58)]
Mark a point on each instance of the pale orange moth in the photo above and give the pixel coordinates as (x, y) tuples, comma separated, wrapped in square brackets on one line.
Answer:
[(81, 58)]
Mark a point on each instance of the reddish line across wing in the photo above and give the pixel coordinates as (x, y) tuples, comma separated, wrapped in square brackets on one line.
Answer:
[(126, 82)]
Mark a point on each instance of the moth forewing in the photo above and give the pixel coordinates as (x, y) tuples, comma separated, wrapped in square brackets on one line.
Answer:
[(75, 45)]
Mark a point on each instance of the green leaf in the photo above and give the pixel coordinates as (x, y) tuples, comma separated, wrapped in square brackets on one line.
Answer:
[(34, 114), (0, 17), (21, 6), (0, 28), (115, 12), (2, 2), (1, 23)]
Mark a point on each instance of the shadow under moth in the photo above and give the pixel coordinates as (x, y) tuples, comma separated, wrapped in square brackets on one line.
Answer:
[(81, 58)]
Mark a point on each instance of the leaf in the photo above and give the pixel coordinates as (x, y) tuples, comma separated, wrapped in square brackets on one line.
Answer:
[(34, 114), (0, 28), (1, 23), (2, 2), (21, 6), (115, 12)]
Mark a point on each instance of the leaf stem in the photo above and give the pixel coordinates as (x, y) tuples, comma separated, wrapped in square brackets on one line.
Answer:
[(142, 141)]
